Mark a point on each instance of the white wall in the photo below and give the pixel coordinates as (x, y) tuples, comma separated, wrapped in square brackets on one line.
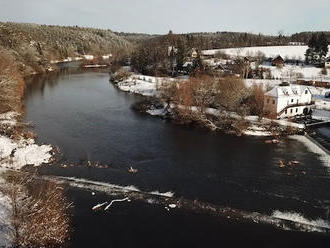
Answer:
[(277, 104), (294, 111)]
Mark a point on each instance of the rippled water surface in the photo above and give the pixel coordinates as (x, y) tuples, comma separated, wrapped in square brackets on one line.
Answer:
[(90, 120)]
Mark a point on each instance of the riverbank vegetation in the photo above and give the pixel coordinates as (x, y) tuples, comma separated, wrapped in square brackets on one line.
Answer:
[(38, 214), (27, 49), (38, 211), (218, 103)]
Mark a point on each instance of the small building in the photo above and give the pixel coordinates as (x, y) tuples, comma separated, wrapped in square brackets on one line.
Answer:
[(296, 43), (327, 63), (288, 101), (278, 61), (194, 53), (171, 51)]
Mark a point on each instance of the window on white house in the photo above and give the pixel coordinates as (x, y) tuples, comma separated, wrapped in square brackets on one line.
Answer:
[(291, 111), (291, 100), (306, 91), (296, 110), (286, 111)]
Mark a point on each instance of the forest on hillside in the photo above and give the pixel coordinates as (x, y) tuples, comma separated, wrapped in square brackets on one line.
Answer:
[(35, 45)]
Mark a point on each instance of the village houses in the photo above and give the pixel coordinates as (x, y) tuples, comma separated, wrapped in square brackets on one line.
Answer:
[(278, 61), (327, 63), (288, 101)]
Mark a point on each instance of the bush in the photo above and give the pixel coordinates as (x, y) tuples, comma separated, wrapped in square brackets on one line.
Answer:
[(121, 75), (39, 211), (256, 100)]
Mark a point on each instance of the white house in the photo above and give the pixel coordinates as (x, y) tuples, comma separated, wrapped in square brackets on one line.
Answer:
[(288, 101), (327, 63)]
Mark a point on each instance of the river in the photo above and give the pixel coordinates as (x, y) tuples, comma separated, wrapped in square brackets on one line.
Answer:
[(91, 120)]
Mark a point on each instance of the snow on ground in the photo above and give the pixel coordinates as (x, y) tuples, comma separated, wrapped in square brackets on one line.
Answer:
[(322, 103), (9, 118), (107, 56), (216, 62), (68, 59), (88, 57), (15, 154), (148, 86), (291, 52), (138, 86), (94, 66), (156, 112), (143, 85), (289, 72), (266, 83), (321, 114), (255, 130)]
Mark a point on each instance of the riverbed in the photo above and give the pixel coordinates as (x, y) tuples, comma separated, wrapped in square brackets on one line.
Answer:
[(91, 121)]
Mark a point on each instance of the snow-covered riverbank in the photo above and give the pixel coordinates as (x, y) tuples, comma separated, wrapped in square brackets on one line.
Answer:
[(19, 152), (15, 153), (150, 86)]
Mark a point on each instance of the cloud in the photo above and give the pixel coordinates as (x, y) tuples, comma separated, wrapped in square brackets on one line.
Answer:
[(158, 16)]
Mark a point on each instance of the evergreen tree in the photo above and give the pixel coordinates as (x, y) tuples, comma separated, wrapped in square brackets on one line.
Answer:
[(180, 56), (317, 49), (323, 45)]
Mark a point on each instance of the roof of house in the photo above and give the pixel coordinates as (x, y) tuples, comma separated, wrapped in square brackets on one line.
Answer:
[(278, 57), (186, 64), (287, 91)]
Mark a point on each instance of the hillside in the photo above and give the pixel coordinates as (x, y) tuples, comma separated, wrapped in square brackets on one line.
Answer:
[(29, 48), (34, 44), (136, 37)]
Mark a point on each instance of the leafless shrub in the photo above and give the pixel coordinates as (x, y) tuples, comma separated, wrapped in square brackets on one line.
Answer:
[(121, 75), (39, 211), (256, 100), (206, 100), (11, 83), (231, 92)]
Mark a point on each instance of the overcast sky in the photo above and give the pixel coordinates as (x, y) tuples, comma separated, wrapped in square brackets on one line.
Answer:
[(181, 16)]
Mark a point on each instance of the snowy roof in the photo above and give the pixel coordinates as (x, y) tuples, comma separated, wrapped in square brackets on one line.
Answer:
[(187, 64), (292, 90), (278, 57)]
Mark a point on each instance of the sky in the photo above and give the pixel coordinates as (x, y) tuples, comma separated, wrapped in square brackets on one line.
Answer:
[(180, 16)]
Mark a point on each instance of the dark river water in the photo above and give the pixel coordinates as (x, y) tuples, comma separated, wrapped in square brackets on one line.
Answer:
[(91, 120)]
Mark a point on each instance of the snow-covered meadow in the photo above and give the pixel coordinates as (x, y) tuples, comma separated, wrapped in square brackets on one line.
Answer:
[(290, 52), (143, 85), (293, 72)]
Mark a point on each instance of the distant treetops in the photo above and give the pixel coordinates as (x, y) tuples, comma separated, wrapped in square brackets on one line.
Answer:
[(317, 49)]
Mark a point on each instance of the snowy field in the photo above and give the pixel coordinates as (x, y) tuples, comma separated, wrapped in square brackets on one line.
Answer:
[(143, 85), (290, 52), (293, 72)]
